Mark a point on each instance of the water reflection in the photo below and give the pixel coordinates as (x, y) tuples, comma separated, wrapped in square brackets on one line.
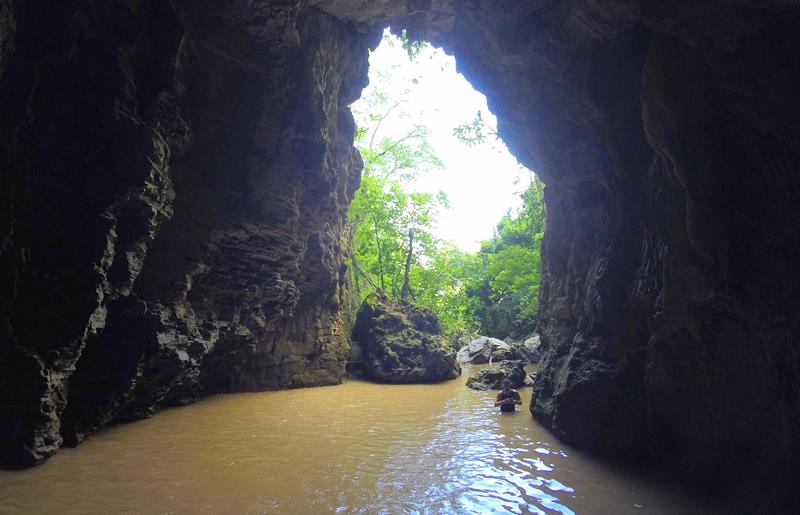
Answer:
[(354, 448), (495, 471)]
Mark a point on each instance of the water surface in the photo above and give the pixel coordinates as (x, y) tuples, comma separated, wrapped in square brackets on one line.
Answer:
[(354, 448)]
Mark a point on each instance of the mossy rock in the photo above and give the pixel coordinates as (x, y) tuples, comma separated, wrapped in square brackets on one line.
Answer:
[(402, 343), (492, 378)]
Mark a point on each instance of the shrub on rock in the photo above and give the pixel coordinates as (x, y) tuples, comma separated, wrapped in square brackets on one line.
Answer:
[(402, 343)]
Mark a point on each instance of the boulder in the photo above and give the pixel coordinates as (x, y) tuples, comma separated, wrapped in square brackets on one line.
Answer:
[(492, 378), (529, 379), (480, 349), (401, 343), (531, 348)]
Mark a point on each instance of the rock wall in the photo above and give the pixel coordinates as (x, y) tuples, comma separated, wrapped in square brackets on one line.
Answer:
[(402, 343), (175, 183), (176, 175), (667, 135)]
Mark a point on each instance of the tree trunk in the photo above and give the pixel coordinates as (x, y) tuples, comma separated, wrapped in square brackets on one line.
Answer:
[(406, 289), (380, 251)]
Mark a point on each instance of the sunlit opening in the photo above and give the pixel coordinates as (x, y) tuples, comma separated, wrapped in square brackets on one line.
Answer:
[(425, 95), (446, 218)]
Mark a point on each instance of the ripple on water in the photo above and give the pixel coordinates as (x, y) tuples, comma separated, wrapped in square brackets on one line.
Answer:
[(353, 448)]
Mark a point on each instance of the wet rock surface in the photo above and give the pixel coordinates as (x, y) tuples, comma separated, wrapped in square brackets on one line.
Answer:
[(664, 134), (492, 378), (401, 343), (530, 349), (481, 349), (533, 348), (175, 178)]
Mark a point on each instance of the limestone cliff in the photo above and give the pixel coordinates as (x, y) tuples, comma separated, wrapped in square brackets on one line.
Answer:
[(175, 183), (667, 135), (175, 176)]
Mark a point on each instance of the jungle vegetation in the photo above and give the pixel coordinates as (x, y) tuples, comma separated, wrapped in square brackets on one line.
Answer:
[(493, 291)]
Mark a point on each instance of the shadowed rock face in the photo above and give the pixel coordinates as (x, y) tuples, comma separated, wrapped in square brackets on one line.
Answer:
[(175, 182), (402, 343), (492, 377), (666, 134), (176, 176)]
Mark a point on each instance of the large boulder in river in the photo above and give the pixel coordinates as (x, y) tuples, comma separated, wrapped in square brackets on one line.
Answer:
[(492, 378), (532, 348), (480, 349), (402, 343), (528, 349)]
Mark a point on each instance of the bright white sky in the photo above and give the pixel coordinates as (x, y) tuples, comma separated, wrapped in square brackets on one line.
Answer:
[(481, 181)]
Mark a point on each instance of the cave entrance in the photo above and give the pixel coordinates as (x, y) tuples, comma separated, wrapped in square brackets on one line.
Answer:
[(445, 216)]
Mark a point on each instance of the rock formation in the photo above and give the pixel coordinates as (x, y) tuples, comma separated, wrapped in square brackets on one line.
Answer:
[(175, 176), (175, 182), (533, 348), (481, 349), (666, 135), (402, 343), (492, 377)]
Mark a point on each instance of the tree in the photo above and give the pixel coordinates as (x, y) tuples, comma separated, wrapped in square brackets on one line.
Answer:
[(509, 291), (392, 226), (394, 248)]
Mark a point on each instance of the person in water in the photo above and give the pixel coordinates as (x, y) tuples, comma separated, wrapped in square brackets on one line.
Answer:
[(508, 398)]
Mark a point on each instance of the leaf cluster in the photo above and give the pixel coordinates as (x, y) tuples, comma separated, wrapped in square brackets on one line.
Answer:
[(495, 290), (509, 290)]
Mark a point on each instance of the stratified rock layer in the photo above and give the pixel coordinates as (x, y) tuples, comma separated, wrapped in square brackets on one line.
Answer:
[(402, 343), (175, 182), (175, 176), (667, 136)]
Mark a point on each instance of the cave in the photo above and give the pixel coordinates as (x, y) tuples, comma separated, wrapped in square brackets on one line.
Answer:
[(176, 175)]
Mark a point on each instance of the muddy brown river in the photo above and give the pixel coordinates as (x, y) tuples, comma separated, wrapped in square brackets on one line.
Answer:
[(354, 448)]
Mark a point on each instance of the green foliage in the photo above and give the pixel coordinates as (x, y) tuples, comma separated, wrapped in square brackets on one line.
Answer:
[(509, 291), (383, 213), (495, 290), (385, 210), (444, 281), (411, 46), (474, 132)]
